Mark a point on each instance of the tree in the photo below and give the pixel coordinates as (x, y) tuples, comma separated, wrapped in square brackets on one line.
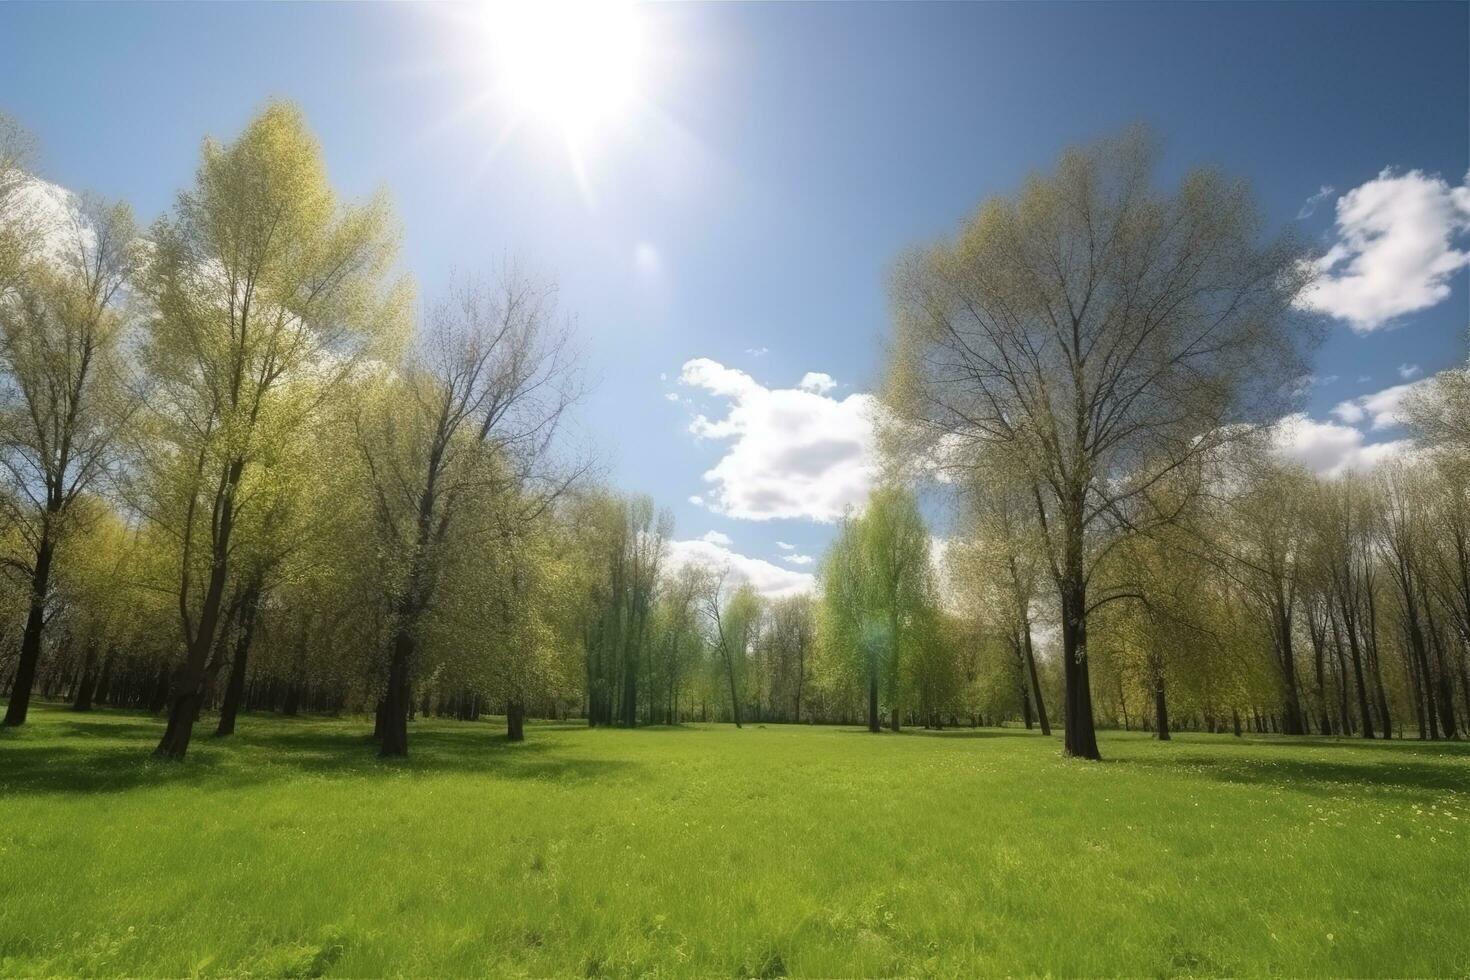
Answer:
[(18, 233), (266, 293), (1104, 334), (877, 587), (63, 390), (471, 414), (995, 561), (733, 624), (790, 637), (1438, 412)]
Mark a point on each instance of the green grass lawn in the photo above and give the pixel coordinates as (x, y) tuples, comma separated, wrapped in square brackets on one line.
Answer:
[(291, 850)]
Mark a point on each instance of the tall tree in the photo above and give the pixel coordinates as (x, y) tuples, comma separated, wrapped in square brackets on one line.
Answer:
[(733, 623), (1104, 334), (63, 388), (265, 294), (471, 414)]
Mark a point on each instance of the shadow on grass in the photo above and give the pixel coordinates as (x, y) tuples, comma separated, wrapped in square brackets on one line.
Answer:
[(1405, 746), (1318, 777), (974, 732), (112, 753), (946, 733)]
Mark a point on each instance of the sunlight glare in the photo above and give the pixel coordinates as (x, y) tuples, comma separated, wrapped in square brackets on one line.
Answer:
[(572, 65)]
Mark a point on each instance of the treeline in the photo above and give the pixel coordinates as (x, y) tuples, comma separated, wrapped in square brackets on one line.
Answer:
[(245, 471)]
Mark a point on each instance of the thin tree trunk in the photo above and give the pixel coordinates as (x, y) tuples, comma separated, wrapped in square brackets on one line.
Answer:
[(873, 723), (1035, 680), (1022, 684)]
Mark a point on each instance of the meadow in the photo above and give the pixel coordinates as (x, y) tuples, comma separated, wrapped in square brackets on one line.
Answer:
[(291, 850)]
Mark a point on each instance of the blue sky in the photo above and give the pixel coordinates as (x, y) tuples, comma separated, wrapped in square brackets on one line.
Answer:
[(747, 208)]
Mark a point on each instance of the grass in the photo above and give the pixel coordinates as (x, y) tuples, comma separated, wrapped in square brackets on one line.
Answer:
[(291, 850)]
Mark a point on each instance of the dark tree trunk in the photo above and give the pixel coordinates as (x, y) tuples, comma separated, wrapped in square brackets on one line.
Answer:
[(1022, 684), (87, 686), (1080, 738), (1375, 666), (874, 724), (104, 682), (1161, 710), (1444, 683), (515, 721), (1349, 623), (235, 689), (1035, 681), (1291, 713), (159, 699), (187, 692), (394, 737), (30, 644)]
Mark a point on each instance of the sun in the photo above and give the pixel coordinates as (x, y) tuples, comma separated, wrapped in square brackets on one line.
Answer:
[(575, 66)]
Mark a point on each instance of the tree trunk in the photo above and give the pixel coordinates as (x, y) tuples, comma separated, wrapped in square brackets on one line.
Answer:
[(1035, 682), (515, 721), (1023, 688), (1444, 682), (873, 723), (1161, 710), (235, 689), (394, 736), (1080, 737), (87, 686), (30, 644), (1375, 666), (1291, 713), (187, 692), (104, 681), (1349, 623)]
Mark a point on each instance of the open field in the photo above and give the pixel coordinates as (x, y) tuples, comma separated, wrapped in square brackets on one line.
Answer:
[(292, 850)]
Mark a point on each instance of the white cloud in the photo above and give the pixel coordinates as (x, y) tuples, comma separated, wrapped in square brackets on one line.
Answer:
[(671, 396), (1381, 408), (769, 580), (1395, 249), (1407, 371), (757, 351), (784, 546), (1309, 206), (817, 382), (798, 559), (792, 453), (716, 537), (696, 500), (1329, 448)]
